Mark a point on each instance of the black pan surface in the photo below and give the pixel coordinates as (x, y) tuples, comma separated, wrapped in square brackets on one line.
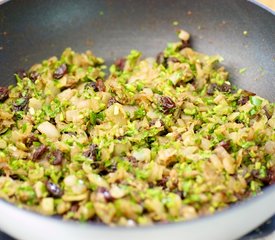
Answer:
[(31, 31)]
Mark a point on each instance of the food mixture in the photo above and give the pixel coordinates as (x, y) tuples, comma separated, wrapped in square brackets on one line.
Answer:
[(157, 140)]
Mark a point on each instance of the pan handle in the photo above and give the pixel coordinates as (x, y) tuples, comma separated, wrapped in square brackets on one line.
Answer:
[(268, 5)]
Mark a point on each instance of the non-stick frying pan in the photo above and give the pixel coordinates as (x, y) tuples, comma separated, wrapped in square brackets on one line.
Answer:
[(240, 31)]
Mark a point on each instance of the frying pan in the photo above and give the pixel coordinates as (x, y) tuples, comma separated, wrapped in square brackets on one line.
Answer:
[(240, 31)]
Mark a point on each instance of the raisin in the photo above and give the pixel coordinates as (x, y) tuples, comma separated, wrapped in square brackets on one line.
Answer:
[(58, 157), (74, 207), (15, 177), (153, 122), (120, 63), (268, 113), (71, 133), (167, 104), (111, 101), (225, 88), (112, 168), (92, 152), (162, 182), (100, 85), (33, 76), (103, 172), (184, 44), (30, 140), (60, 71), (21, 104), (120, 138), (180, 194), (243, 100), (21, 73), (242, 196), (95, 165), (271, 175), (173, 60), (4, 94), (225, 145), (39, 152), (54, 189), (91, 85), (248, 93), (211, 89), (105, 192), (160, 59), (133, 161), (255, 174)]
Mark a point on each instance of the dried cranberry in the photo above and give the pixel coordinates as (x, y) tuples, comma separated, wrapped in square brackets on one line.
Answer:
[(167, 104), (39, 152), (4, 94), (58, 157), (100, 85), (60, 71), (54, 189), (105, 192), (120, 63), (92, 152), (111, 101)]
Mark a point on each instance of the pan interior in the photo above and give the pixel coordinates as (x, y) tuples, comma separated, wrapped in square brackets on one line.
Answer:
[(239, 31)]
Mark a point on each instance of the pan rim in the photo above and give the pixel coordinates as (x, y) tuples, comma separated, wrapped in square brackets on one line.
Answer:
[(267, 192)]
